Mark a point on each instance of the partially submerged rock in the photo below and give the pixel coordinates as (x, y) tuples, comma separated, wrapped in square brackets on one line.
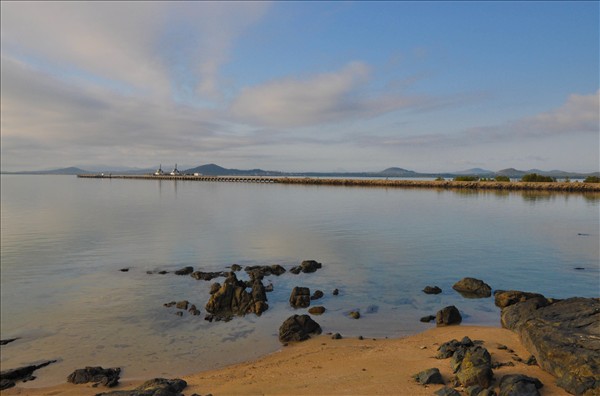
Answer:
[(184, 271), (306, 266), (300, 297), (519, 385), (318, 310), (472, 288), (432, 290), (298, 328), (260, 271), (564, 337), (199, 275), (232, 299), (317, 294), (8, 378), (97, 375), (154, 387), (448, 316)]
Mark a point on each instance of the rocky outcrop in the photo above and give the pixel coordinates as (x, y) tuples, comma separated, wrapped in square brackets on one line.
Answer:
[(519, 385), (448, 316), (97, 375), (429, 376), (199, 275), (432, 290), (232, 299), (306, 266), (154, 387), (504, 298), (298, 328), (563, 336), (472, 288), (473, 366), (300, 297), (260, 271), (184, 271), (8, 378)]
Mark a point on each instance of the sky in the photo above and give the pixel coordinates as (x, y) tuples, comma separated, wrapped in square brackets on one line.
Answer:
[(300, 86)]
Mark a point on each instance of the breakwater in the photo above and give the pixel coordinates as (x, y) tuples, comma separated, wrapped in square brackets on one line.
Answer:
[(401, 183)]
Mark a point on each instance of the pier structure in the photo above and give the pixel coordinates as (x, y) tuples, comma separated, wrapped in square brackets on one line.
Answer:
[(369, 182)]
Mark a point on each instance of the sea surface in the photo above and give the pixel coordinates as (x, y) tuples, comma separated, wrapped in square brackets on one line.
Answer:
[(64, 241)]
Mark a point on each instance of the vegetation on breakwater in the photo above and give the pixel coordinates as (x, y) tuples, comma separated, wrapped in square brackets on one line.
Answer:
[(401, 183)]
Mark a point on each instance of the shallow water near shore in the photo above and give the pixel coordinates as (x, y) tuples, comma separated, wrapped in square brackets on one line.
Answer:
[(64, 240)]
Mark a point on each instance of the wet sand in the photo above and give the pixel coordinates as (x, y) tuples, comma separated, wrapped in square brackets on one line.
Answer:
[(341, 367)]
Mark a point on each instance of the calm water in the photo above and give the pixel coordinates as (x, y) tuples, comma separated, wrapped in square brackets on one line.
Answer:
[(64, 240)]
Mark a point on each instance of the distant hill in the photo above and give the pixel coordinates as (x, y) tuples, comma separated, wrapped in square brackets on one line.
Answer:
[(398, 172), (216, 170), (61, 171)]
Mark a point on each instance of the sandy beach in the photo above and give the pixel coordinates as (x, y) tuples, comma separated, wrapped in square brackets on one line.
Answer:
[(343, 367)]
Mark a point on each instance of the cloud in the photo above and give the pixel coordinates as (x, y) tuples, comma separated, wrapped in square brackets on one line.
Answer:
[(323, 98), (578, 115)]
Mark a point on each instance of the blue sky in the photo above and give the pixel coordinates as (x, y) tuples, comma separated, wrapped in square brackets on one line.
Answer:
[(301, 86)]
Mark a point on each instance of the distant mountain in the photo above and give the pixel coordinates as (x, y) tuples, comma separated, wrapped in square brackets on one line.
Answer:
[(216, 170), (511, 172), (398, 172), (61, 171), (474, 171)]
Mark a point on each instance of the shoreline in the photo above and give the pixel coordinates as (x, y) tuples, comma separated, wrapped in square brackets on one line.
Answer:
[(566, 187), (323, 365)]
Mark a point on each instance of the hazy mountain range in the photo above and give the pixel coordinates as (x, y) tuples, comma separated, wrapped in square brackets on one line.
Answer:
[(214, 170)]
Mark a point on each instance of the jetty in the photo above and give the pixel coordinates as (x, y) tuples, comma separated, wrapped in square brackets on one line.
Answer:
[(369, 182)]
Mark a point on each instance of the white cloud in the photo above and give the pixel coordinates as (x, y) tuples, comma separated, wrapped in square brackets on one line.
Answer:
[(323, 98)]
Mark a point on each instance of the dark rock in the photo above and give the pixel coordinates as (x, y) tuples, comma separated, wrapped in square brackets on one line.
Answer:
[(99, 376), (472, 288), (194, 311), (354, 314), (298, 328), (300, 297), (9, 377), (215, 287), (446, 391), (447, 349), (179, 313), (318, 310), (361, 337), (182, 304), (317, 294), (336, 292), (427, 319), (504, 298), (473, 366), (184, 271), (232, 299), (199, 275), (519, 385), (448, 316), (432, 290), (8, 340), (154, 387), (269, 288), (564, 338), (236, 267), (260, 271), (531, 361), (502, 364), (477, 390), (336, 336), (170, 304), (296, 270), (429, 376), (579, 268), (163, 272), (308, 266), (124, 269)]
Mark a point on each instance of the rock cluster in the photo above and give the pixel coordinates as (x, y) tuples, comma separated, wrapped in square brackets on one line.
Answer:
[(8, 378), (232, 299), (154, 387), (97, 375), (306, 266)]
